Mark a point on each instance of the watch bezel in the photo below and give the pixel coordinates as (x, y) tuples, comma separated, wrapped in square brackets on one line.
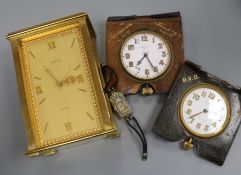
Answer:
[(180, 109), (126, 39)]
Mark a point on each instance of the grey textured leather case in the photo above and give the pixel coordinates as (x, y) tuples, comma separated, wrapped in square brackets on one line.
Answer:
[(169, 127)]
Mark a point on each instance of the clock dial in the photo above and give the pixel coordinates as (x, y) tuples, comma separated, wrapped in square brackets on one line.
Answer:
[(145, 55), (204, 110), (60, 80)]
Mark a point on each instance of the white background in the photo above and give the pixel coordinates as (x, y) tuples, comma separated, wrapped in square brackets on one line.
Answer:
[(212, 39)]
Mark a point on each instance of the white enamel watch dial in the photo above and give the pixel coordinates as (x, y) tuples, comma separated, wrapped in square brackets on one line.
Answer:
[(145, 55), (204, 110)]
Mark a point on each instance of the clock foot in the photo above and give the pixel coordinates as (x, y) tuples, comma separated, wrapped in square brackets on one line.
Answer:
[(113, 135), (47, 152)]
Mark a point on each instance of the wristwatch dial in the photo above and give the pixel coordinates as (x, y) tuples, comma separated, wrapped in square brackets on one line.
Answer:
[(204, 110), (145, 55)]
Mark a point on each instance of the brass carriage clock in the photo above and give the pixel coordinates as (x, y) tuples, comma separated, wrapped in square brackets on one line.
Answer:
[(60, 84), (145, 51)]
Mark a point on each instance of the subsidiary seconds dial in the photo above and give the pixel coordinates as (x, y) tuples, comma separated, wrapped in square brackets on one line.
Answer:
[(204, 110), (145, 55)]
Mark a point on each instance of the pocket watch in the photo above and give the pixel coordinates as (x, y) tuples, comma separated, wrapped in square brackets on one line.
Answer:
[(59, 84), (202, 110), (145, 51)]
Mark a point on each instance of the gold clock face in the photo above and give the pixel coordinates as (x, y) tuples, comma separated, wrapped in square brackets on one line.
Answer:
[(63, 96), (204, 110)]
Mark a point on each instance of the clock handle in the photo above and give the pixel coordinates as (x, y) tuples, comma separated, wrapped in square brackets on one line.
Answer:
[(146, 90)]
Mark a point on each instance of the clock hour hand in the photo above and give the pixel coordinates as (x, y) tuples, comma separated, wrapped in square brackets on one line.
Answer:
[(65, 77), (139, 62), (59, 83)]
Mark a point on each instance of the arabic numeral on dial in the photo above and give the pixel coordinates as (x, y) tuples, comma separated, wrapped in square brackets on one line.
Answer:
[(130, 64), (214, 124), (144, 38), (206, 128), (192, 120), (147, 72), (198, 126), (161, 62), (211, 96), (127, 55), (164, 54), (131, 47), (189, 103), (155, 69), (196, 97), (203, 94), (189, 111), (160, 46)]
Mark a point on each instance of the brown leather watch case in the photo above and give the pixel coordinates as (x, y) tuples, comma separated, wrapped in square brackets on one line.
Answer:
[(168, 125), (168, 26)]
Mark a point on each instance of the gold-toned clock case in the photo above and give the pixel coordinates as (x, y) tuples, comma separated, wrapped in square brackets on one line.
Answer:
[(78, 21)]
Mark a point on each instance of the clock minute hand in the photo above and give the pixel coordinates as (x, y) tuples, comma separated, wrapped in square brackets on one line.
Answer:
[(52, 75), (150, 62), (195, 115)]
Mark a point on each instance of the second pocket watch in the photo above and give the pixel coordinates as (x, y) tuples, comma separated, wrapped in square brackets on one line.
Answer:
[(145, 51), (202, 110)]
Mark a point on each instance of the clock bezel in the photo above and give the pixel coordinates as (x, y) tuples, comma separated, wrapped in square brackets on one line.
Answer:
[(34, 118), (181, 103), (143, 80)]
